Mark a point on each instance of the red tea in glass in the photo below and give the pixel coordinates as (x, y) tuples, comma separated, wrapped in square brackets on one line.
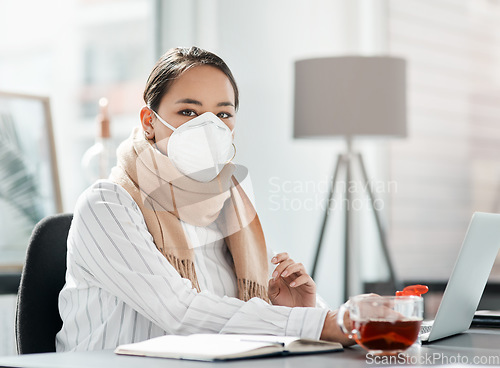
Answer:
[(382, 324), (387, 335)]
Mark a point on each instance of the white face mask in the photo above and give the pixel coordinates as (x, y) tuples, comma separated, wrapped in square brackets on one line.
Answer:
[(200, 147)]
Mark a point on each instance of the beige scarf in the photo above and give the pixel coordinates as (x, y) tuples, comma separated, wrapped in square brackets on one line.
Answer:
[(165, 196)]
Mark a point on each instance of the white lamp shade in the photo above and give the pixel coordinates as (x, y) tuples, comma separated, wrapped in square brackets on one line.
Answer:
[(350, 96)]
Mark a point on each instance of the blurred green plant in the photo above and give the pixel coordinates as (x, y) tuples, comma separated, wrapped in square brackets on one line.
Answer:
[(18, 187)]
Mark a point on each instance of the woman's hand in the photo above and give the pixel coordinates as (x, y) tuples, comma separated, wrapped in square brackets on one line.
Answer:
[(290, 285), (332, 332), (331, 329)]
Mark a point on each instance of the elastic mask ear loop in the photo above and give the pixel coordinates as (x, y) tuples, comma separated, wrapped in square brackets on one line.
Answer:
[(163, 121), (234, 148), (234, 154)]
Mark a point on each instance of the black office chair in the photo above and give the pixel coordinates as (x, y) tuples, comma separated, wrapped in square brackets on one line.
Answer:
[(43, 276)]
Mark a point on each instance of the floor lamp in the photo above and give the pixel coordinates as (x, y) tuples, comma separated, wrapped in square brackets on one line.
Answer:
[(350, 96)]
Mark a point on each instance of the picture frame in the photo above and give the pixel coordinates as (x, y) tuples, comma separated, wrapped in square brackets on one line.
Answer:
[(29, 179)]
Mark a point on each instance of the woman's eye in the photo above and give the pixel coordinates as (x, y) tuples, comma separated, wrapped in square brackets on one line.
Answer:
[(188, 113), (224, 115)]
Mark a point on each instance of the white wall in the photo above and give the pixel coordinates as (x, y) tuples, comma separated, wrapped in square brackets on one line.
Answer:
[(448, 168)]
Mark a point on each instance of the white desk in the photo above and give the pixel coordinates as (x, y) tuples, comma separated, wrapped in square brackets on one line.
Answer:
[(474, 344)]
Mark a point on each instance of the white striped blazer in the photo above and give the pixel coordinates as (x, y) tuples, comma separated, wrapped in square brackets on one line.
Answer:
[(120, 289)]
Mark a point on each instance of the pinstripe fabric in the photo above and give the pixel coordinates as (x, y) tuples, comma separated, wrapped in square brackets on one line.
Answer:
[(120, 289)]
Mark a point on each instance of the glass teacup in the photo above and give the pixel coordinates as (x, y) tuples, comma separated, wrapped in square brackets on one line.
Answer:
[(383, 325)]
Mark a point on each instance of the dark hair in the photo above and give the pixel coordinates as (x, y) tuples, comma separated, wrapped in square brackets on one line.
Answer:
[(175, 62)]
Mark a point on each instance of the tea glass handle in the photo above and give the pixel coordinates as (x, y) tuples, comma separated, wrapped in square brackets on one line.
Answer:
[(340, 321)]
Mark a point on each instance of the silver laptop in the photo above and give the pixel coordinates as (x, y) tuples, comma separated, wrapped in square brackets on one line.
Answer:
[(468, 279)]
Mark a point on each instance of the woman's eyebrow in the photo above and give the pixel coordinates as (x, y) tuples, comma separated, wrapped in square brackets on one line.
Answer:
[(196, 102), (189, 101), (225, 103)]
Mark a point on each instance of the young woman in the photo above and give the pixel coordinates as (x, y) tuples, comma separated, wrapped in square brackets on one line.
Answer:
[(171, 243)]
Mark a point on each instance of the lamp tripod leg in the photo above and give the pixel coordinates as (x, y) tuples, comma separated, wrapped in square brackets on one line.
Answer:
[(382, 237), (347, 227), (340, 161)]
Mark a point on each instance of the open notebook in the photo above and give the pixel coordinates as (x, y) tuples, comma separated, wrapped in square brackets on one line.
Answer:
[(210, 347)]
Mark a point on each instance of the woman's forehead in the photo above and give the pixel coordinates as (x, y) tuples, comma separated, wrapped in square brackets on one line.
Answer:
[(203, 82)]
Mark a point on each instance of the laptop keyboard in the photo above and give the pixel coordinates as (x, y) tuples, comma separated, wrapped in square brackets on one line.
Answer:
[(425, 329)]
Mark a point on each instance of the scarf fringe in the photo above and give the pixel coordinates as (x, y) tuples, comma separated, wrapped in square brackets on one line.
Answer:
[(186, 269), (247, 289)]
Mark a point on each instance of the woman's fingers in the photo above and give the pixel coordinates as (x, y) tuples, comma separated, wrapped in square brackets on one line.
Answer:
[(280, 257), (288, 268), (281, 267), (294, 268), (302, 280)]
